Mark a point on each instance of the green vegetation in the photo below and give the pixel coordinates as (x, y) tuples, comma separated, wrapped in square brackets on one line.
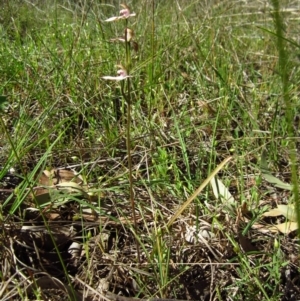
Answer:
[(209, 81)]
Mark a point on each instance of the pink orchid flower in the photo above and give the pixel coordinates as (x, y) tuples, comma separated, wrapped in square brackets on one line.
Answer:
[(124, 14), (121, 74)]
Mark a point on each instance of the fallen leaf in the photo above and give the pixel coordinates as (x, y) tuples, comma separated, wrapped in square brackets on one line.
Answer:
[(54, 183), (284, 228), (288, 211), (272, 213)]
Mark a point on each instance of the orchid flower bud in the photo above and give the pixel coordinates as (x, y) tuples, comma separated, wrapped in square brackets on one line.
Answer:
[(128, 34)]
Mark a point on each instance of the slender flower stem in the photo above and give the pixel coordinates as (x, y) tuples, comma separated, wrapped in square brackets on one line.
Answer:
[(128, 144), (128, 141), (123, 74)]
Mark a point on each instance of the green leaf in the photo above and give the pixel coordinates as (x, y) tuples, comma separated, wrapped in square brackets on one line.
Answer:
[(276, 182), (264, 163), (266, 174)]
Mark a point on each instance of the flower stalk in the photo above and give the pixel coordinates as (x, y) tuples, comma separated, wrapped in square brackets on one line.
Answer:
[(125, 81)]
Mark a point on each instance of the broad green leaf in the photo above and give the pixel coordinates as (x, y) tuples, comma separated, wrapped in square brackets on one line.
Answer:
[(266, 174), (276, 182), (264, 163), (72, 187)]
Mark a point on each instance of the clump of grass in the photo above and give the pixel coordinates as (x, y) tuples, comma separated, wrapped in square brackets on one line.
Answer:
[(284, 71)]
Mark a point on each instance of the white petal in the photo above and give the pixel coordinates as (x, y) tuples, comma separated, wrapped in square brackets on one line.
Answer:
[(112, 19), (113, 77), (118, 39), (117, 78)]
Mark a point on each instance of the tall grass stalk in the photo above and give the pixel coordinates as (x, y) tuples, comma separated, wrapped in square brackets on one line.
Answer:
[(151, 74), (284, 73)]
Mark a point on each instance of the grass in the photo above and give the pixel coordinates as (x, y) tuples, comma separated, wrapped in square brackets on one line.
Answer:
[(210, 81)]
